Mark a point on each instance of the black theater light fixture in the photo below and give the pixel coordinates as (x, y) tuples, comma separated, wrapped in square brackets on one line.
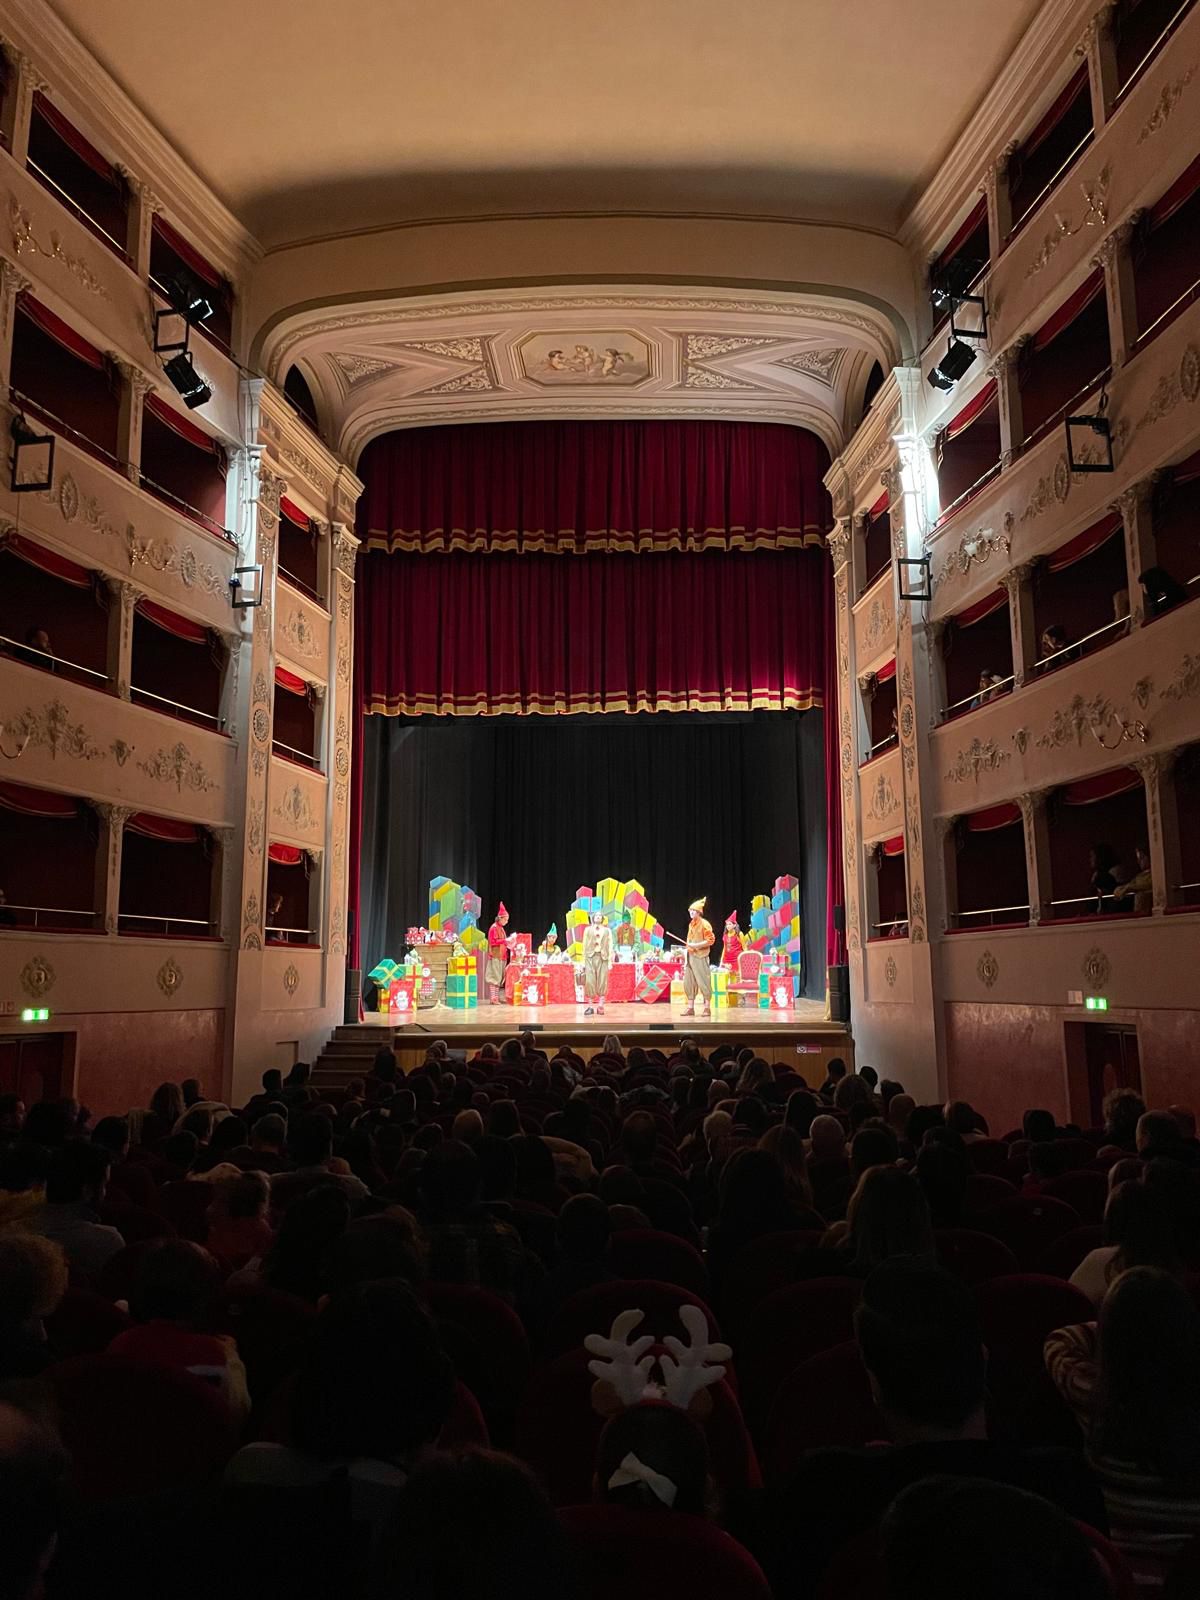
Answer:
[(976, 327), (32, 458), (1089, 441), (183, 375), (916, 578), (246, 588), (951, 367), (190, 307)]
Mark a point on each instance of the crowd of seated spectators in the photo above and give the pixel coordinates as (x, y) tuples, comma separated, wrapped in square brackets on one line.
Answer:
[(342, 1341)]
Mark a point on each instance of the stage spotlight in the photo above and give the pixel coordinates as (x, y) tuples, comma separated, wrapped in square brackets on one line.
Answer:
[(953, 364), (32, 458), (953, 282), (187, 381), (190, 298)]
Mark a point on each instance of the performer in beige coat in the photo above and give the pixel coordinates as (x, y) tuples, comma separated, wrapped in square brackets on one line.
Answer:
[(697, 981), (597, 959)]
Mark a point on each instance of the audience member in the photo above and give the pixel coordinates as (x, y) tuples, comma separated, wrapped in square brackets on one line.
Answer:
[(654, 1457), (1137, 1233), (33, 1469), (920, 1339), (1122, 1110), (372, 1393), (1133, 1381), (75, 1184), (467, 1243), (238, 1226), (476, 1524), (172, 1303), (310, 1227), (310, 1147), (993, 1542), (33, 1280), (834, 1073)]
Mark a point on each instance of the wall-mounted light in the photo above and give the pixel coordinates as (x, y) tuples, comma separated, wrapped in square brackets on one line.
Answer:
[(951, 367), (32, 458), (194, 389), (974, 330)]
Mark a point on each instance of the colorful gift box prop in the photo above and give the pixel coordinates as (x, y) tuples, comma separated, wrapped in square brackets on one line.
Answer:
[(653, 984), (775, 925), (775, 991), (462, 991), (401, 996), (454, 912), (624, 905), (532, 989)]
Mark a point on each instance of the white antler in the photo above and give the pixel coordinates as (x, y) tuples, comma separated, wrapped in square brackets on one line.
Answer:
[(686, 1370), (625, 1365)]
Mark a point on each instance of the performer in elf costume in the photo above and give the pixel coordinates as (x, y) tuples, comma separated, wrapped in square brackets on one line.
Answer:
[(697, 981), (497, 955), (734, 942), (549, 945)]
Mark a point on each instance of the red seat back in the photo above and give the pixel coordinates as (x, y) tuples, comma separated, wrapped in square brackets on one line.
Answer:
[(594, 1311), (787, 1328), (133, 1429), (642, 1555), (974, 1257), (1085, 1191), (825, 1402), (989, 1155), (84, 1323), (1017, 1314), (1061, 1258), (270, 1328), (761, 1267), (185, 1205), (488, 1345), (1028, 1225), (558, 1432), (984, 1190), (649, 1253)]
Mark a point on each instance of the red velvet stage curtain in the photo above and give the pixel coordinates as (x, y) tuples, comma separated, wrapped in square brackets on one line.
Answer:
[(570, 487), (468, 634)]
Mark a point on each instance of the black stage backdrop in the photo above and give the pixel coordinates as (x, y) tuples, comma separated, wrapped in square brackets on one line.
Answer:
[(526, 809)]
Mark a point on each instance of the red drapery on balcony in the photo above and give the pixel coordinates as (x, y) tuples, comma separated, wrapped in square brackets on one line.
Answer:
[(61, 331), (37, 802), (285, 855), (171, 622), (572, 487), (886, 672), (165, 829), (186, 430), (187, 253), (982, 608), (71, 136), (1085, 543), (893, 846), (48, 561), (881, 505), (970, 413), (290, 681), (1062, 319), (294, 514), (993, 817), (1100, 787)]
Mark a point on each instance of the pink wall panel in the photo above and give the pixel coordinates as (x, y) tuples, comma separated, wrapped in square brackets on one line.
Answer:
[(122, 1059), (1005, 1060), (1169, 1045)]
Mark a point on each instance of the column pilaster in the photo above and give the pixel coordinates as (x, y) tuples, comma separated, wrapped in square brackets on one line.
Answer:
[(135, 386), (1162, 826), (1120, 290), (1098, 49), (108, 862), (120, 634), (13, 283), (27, 80), (1021, 623), (1037, 854), (1137, 521)]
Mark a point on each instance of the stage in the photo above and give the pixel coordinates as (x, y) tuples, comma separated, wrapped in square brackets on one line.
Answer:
[(803, 1036)]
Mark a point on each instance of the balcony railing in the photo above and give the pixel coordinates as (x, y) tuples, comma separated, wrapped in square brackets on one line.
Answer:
[(891, 930), (991, 913), (1073, 652), (880, 746), (117, 246), (129, 922), (1065, 410), (47, 918), (47, 661), (289, 754), (290, 935), (1051, 183), (978, 697), (174, 708)]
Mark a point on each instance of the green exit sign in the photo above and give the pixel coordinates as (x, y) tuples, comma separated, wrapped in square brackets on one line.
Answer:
[(35, 1014), (1096, 1002)]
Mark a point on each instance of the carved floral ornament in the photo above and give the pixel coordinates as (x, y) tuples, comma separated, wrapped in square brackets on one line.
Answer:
[(170, 977), (978, 757), (25, 240), (291, 979), (1097, 969), (1093, 215), (987, 969), (891, 971), (38, 977)]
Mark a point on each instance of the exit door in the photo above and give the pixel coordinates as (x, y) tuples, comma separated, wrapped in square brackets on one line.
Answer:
[(34, 1066), (1111, 1052)]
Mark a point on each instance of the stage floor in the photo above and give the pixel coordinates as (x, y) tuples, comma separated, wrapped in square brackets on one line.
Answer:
[(633, 1017)]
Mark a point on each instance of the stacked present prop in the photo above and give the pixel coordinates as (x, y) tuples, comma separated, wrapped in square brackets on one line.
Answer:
[(462, 983), (454, 912), (775, 930), (614, 898)]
